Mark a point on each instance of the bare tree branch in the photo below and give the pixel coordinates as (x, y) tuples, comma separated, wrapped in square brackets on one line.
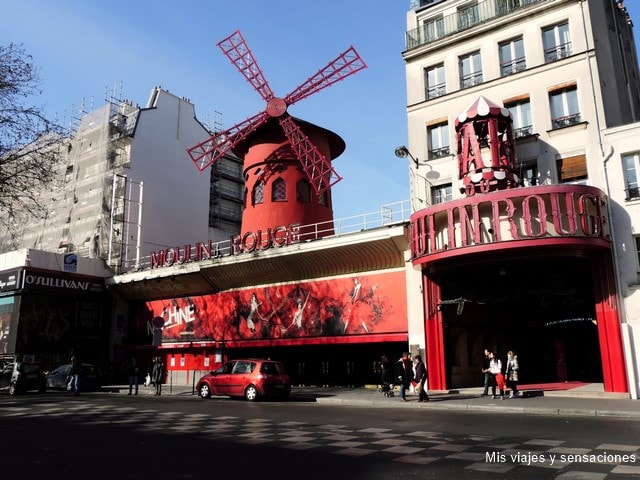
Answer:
[(29, 143)]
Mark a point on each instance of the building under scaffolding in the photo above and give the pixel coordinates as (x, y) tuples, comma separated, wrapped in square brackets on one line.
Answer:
[(129, 188)]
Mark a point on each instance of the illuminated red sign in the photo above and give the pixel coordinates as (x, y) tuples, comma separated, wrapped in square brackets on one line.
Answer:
[(538, 213)]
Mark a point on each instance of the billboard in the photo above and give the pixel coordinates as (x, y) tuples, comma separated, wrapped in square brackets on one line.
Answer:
[(357, 305)]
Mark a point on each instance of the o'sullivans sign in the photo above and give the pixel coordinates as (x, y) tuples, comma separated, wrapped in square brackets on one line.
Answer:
[(544, 214), (247, 242)]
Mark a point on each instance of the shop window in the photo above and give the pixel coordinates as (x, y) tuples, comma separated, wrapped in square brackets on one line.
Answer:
[(630, 168), (572, 169)]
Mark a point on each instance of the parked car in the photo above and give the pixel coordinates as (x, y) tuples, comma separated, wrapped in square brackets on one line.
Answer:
[(248, 378), (58, 379), (21, 377)]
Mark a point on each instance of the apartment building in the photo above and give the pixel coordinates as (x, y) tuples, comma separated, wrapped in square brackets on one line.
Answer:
[(127, 186), (566, 74)]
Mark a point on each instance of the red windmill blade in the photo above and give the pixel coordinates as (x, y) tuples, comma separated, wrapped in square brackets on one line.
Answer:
[(315, 165)]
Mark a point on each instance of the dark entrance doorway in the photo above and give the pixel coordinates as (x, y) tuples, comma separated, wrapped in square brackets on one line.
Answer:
[(543, 309)]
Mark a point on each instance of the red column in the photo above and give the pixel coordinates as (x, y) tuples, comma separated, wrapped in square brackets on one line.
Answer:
[(608, 317), (434, 333)]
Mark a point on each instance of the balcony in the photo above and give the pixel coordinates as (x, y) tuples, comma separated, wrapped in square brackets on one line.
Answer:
[(435, 91), (512, 67), (557, 52), (455, 23), (439, 152), (471, 80), (567, 121), (523, 132)]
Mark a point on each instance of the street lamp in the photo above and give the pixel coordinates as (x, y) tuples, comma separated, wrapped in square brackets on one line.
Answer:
[(403, 152)]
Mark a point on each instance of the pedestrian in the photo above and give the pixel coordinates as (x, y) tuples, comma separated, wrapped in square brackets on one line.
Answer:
[(404, 374), (512, 373), (74, 373), (487, 373), (421, 380), (386, 371), (157, 374), (495, 368), (134, 375)]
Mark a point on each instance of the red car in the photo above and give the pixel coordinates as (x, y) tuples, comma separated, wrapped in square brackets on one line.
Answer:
[(249, 378)]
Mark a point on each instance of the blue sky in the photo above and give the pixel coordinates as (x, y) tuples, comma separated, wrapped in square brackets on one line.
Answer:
[(84, 50)]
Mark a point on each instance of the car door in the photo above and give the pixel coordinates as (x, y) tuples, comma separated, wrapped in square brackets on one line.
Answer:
[(220, 379), (239, 377), (58, 378)]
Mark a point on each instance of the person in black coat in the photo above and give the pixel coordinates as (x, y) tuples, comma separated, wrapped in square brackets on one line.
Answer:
[(404, 374), (421, 380)]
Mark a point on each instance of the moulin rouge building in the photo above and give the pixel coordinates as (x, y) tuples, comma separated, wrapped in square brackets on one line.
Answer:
[(504, 267)]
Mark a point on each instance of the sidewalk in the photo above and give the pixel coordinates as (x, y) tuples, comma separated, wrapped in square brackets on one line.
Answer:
[(579, 402)]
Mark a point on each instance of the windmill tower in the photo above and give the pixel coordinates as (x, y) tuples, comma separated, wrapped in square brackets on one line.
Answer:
[(287, 161)]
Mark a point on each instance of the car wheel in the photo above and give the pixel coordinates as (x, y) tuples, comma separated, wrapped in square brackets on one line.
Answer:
[(251, 393), (204, 391)]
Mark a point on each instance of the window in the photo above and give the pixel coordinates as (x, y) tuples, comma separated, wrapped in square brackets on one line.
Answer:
[(564, 107), (433, 28), (441, 193), (528, 174), (438, 138), (556, 42), (303, 191), (258, 193), (470, 70), (572, 169), (434, 79), (630, 167), (279, 190), (322, 199), (505, 6), (637, 239), (521, 114), (512, 57), (468, 16)]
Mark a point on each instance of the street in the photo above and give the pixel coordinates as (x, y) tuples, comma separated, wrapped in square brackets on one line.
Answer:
[(107, 436)]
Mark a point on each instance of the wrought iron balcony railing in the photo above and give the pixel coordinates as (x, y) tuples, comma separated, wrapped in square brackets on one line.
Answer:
[(438, 27)]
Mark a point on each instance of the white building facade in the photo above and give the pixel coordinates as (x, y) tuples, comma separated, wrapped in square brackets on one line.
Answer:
[(567, 72)]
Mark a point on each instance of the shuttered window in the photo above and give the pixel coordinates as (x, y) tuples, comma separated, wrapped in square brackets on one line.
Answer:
[(573, 168)]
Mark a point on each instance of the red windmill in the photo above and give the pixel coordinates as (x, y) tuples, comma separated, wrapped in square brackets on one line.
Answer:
[(299, 141)]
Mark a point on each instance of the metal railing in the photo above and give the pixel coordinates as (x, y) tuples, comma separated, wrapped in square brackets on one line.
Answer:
[(389, 214), (464, 19), (566, 121)]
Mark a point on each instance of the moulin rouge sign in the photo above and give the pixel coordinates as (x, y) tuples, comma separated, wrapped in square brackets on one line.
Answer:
[(544, 213), (279, 236)]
